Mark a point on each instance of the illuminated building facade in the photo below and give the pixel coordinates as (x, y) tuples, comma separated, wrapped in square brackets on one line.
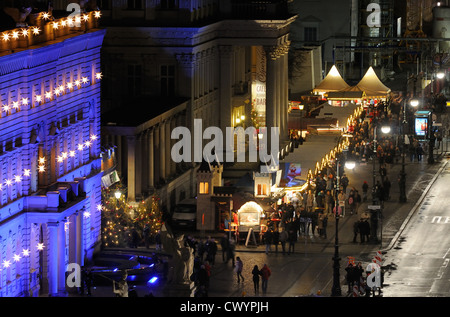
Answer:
[(50, 165), (171, 62)]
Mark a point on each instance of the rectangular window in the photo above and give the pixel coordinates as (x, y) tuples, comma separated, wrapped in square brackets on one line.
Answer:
[(204, 188), (167, 76), (259, 189), (134, 79), (310, 34)]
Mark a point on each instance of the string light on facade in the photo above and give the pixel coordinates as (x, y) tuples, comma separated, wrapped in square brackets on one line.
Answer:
[(36, 30), (16, 257), (5, 36), (15, 35), (46, 16), (25, 252), (40, 246)]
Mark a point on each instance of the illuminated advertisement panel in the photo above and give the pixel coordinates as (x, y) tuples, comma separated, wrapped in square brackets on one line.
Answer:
[(421, 127)]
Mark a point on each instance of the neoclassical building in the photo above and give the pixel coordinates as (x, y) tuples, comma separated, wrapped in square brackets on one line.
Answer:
[(50, 165), (167, 63)]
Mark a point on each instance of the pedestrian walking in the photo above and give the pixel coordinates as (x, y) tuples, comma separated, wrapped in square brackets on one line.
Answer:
[(292, 238), (230, 253), (265, 274), (350, 277), (275, 239), (238, 269), (357, 201), (283, 238), (256, 272), (224, 244), (267, 238), (365, 189), (355, 230), (211, 250)]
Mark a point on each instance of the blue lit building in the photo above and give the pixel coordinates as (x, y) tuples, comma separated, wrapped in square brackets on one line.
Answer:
[(50, 165)]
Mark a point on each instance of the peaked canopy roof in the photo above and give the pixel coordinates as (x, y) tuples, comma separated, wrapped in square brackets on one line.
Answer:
[(372, 85), (332, 82)]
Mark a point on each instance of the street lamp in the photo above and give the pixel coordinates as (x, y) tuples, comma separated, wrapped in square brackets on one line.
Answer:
[(402, 178), (336, 288), (385, 129)]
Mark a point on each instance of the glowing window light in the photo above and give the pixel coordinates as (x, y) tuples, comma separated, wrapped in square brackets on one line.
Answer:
[(38, 98), (5, 36), (25, 101), (36, 31), (16, 257), (25, 252), (15, 35), (17, 178), (26, 172), (40, 246), (97, 14), (25, 32)]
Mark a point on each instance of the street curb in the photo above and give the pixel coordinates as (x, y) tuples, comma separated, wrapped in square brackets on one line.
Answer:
[(414, 209)]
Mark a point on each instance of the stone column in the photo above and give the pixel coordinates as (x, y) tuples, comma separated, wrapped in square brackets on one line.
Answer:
[(138, 165), (151, 159), (61, 257), (226, 93), (52, 258), (162, 150), (79, 230), (168, 147), (271, 95), (131, 168), (157, 150), (145, 161)]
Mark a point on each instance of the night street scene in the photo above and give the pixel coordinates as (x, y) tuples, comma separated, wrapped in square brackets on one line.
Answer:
[(226, 155)]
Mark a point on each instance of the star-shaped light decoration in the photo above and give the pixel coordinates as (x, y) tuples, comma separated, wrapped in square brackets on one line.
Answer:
[(16, 257), (40, 246), (25, 252)]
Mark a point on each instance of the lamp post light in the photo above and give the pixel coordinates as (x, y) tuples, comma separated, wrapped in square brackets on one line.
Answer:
[(336, 288), (385, 129), (118, 194), (402, 177)]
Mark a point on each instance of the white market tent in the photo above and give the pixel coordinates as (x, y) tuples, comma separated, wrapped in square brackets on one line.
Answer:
[(372, 85), (332, 82)]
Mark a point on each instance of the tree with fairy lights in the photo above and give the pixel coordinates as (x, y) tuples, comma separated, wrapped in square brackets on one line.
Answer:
[(116, 217), (149, 218)]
